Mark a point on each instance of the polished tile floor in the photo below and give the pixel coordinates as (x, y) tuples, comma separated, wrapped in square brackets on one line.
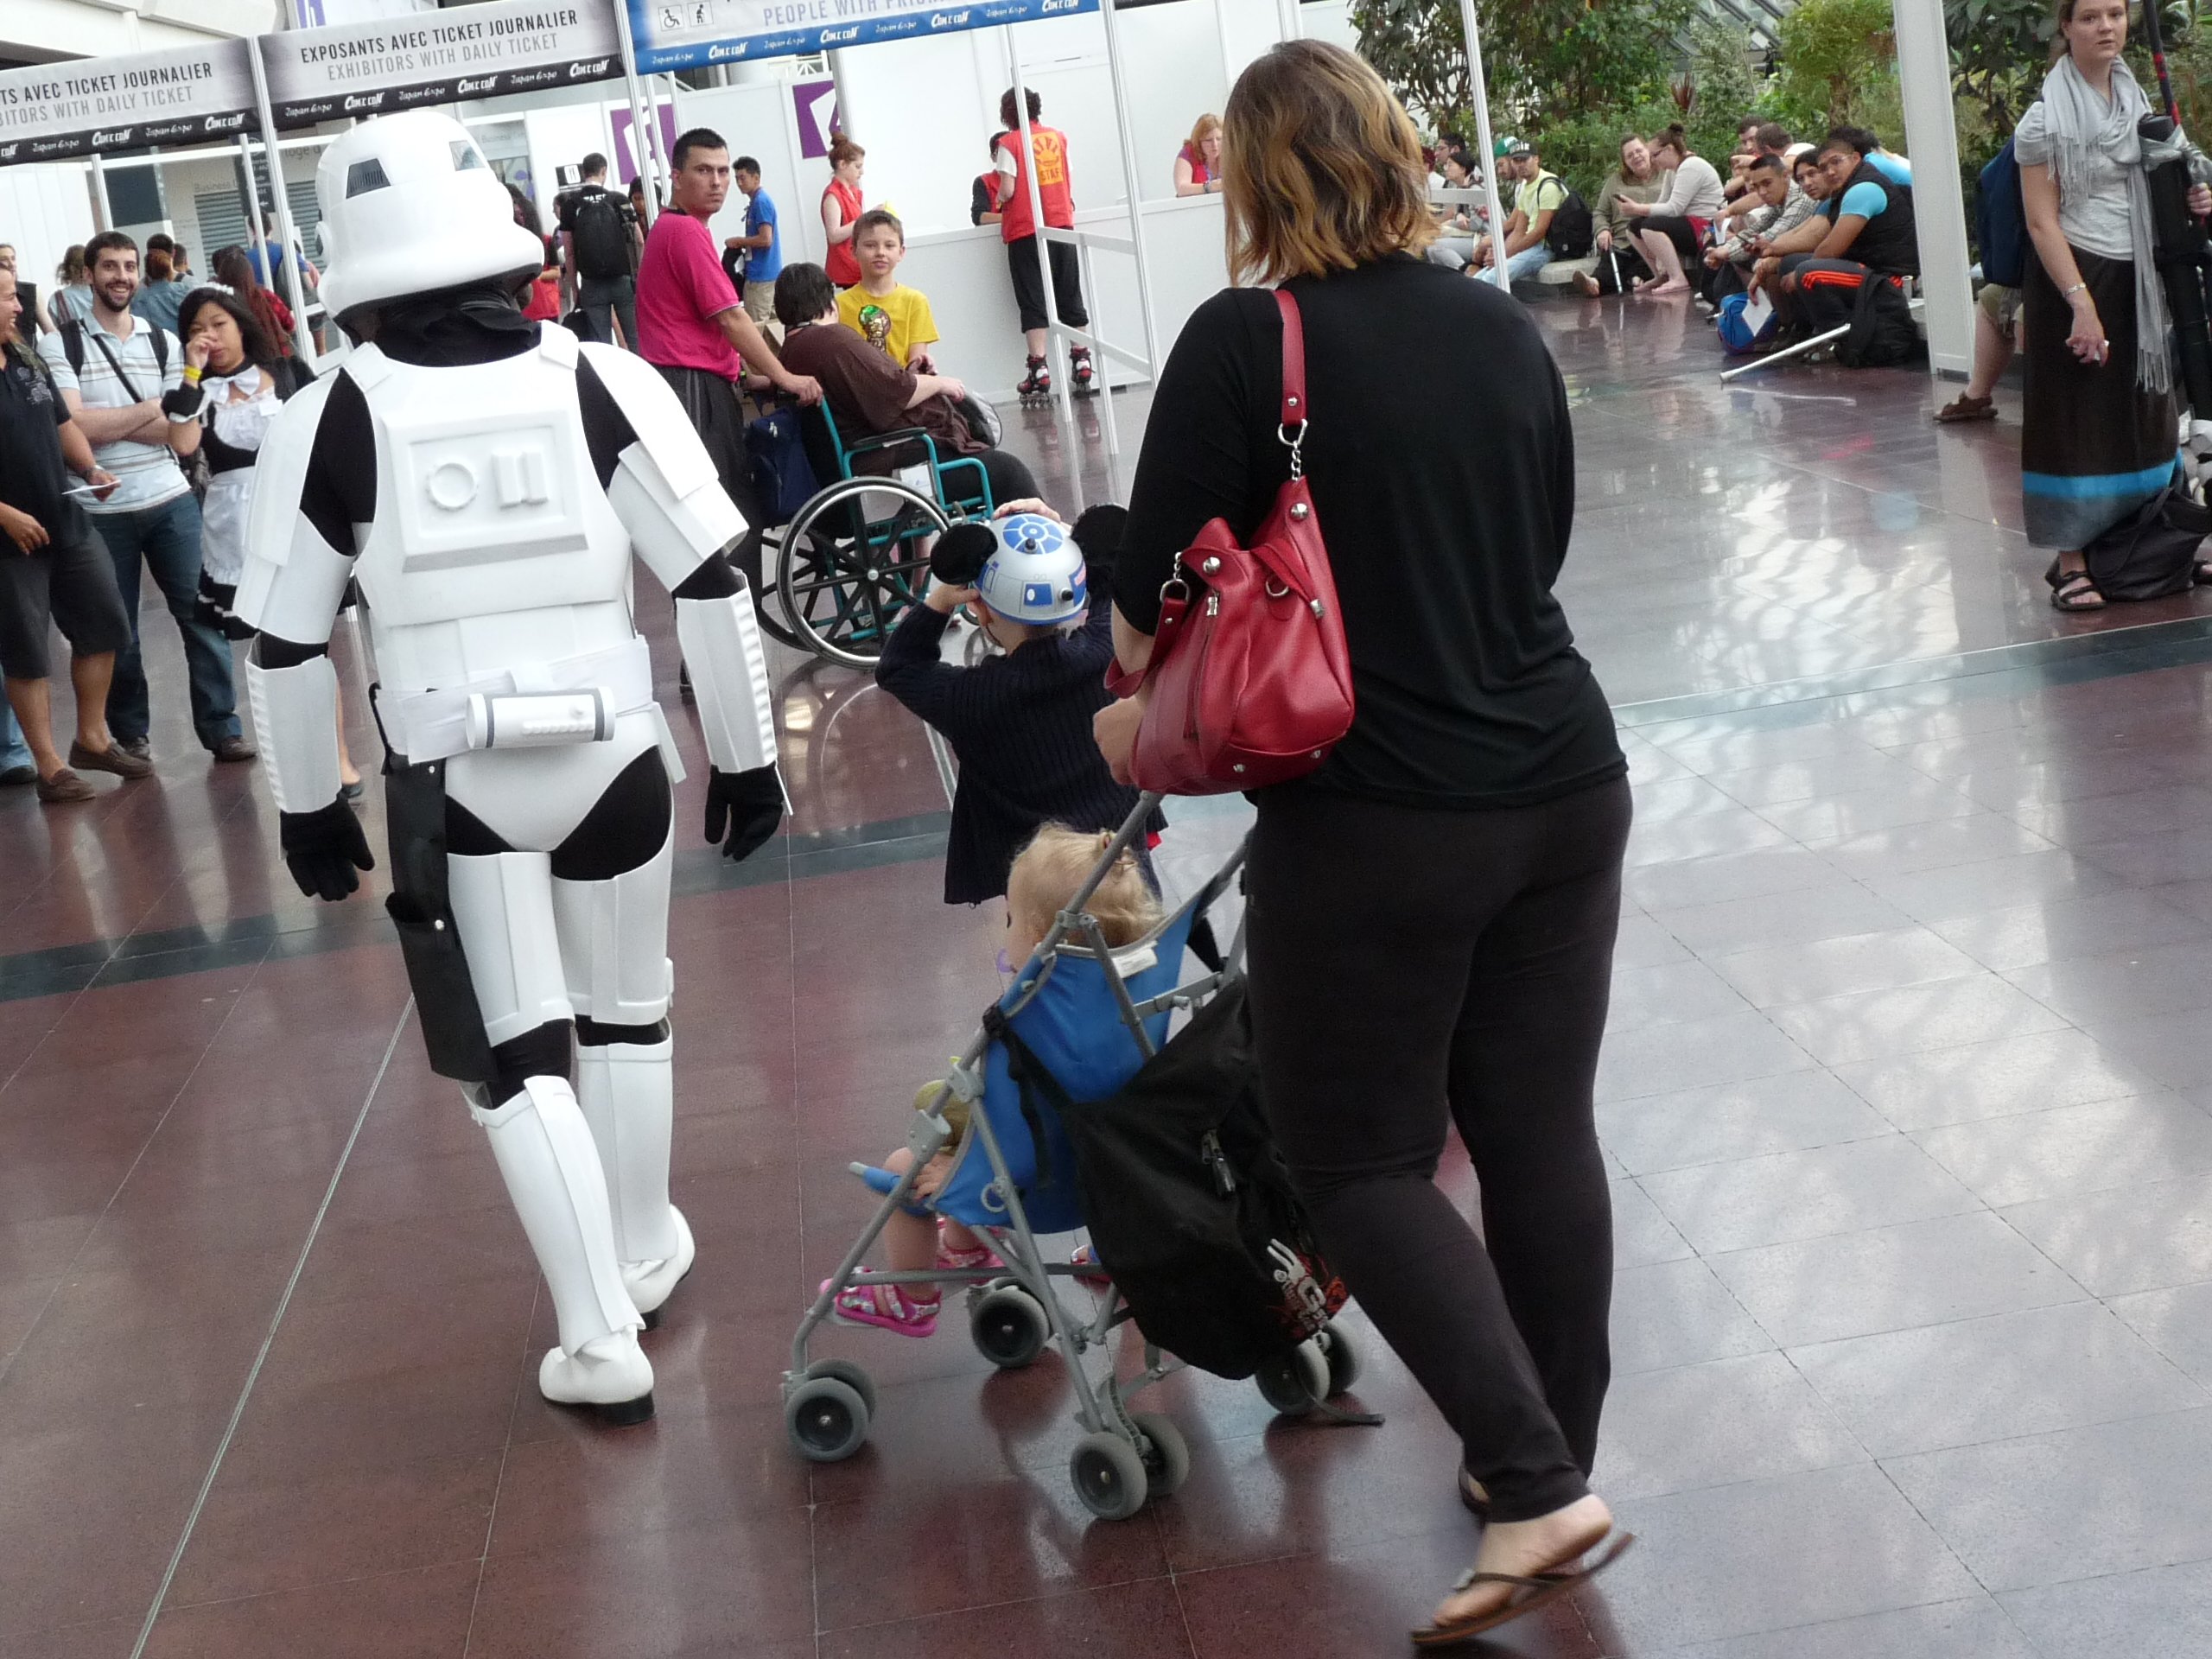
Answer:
[(1906, 1100)]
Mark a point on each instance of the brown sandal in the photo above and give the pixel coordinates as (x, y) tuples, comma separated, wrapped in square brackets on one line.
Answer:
[(1963, 408), (1529, 1593)]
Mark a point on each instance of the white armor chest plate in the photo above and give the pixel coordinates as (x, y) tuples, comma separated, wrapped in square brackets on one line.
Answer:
[(485, 498)]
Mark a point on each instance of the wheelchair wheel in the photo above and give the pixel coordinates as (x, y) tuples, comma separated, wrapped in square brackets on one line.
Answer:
[(846, 579)]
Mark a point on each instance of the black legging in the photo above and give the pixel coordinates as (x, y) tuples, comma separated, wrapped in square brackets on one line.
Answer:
[(1408, 965)]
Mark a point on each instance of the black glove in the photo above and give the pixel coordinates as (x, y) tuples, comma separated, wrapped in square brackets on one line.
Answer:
[(323, 848), (743, 808)]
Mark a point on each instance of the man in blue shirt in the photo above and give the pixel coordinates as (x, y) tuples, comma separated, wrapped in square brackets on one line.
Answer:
[(762, 244), (1870, 238)]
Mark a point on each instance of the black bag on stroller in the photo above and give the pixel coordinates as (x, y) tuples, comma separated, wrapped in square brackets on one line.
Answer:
[(1189, 1205)]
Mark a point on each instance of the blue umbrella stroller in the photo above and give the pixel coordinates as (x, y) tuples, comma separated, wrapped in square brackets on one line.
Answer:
[(1092, 1015)]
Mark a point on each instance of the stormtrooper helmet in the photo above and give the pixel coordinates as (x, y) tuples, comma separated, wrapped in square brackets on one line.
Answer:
[(408, 207), (1036, 574)]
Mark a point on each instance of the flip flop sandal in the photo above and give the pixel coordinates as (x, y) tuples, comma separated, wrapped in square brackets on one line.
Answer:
[(1529, 1594)]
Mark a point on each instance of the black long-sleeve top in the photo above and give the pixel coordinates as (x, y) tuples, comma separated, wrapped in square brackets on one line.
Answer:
[(1442, 466), (1020, 726)]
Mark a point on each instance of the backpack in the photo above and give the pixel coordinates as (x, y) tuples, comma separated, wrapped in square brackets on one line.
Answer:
[(1882, 332), (1189, 1204), (783, 477), (2001, 220), (1736, 335), (2152, 552), (72, 347), (602, 243), (1573, 231)]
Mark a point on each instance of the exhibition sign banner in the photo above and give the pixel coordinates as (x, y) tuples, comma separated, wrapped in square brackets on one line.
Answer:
[(438, 57), (693, 34), (51, 112)]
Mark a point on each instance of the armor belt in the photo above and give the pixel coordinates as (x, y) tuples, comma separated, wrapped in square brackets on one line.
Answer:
[(435, 725)]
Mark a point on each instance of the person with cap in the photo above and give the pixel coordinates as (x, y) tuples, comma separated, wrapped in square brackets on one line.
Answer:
[(485, 481), (1537, 196), (1019, 723)]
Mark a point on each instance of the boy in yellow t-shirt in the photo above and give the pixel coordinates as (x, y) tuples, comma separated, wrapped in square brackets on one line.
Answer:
[(894, 319)]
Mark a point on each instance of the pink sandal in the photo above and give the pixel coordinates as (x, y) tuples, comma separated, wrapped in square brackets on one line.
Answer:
[(887, 1307), (977, 1255)]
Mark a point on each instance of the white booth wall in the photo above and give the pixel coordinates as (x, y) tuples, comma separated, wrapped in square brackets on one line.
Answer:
[(44, 207)]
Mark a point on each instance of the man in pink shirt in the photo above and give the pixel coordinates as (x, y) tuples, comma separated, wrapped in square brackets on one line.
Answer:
[(692, 327)]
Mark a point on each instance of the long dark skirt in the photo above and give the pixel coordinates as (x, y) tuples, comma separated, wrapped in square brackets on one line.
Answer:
[(2093, 445)]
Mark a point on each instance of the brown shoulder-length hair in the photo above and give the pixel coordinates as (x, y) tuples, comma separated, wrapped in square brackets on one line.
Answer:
[(1322, 168)]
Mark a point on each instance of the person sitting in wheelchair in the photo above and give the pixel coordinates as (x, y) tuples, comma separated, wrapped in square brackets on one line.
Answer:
[(866, 394), (1019, 723)]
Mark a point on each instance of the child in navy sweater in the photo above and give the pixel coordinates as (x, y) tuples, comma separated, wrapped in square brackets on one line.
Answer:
[(1020, 723)]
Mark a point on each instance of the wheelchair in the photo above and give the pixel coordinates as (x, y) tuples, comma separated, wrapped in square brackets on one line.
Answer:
[(853, 559)]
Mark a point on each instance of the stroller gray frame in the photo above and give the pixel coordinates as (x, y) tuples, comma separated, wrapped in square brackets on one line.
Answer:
[(1124, 1458)]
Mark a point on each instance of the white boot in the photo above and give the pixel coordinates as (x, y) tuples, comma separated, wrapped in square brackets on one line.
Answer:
[(545, 1154), (628, 1096)]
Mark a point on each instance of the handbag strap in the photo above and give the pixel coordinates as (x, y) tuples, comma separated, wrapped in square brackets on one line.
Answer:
[(1293, 412)]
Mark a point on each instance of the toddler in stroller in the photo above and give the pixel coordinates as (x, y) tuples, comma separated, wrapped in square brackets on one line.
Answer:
[(1203, 1250), (1046, 876)]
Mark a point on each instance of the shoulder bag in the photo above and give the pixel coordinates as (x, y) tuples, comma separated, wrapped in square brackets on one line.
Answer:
[(1250, 674)]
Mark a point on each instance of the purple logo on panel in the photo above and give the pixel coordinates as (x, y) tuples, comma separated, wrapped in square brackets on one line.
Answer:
[(814, 103)]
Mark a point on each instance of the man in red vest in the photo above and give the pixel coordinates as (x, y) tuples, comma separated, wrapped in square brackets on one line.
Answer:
[(1018, 225)]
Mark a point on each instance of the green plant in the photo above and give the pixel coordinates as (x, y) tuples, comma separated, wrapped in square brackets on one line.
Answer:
[(1998, 48), (1548, 61), (1834, 53)]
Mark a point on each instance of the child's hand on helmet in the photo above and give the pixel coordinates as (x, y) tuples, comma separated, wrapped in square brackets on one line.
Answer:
[(944, 599), (1027, 504)]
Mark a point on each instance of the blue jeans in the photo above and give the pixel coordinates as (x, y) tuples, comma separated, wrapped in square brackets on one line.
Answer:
[(167, 538), (14, 751), (1526, 263)]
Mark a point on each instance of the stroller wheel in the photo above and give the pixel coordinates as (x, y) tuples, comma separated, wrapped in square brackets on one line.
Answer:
[(1344, 1358), (1293, 1384), (826, 1419), (850, 1375), (1009, 1327), (1168, 1464), (1109, 1477)]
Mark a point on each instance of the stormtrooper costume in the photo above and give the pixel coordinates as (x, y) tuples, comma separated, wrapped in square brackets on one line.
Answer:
[(485, 480)]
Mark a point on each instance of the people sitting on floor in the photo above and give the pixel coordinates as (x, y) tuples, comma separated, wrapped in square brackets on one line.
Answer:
[(1538, 196), (1807, 174), (868, 395), (1454, 247), (1870, 236), (1620, 264), (1897, 168), (1670, 231), (1782, 206)]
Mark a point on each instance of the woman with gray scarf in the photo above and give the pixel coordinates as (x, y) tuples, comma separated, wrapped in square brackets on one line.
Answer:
[(2100, 430)]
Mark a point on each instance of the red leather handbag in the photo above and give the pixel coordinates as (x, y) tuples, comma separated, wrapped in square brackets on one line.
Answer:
[(1250, 676)]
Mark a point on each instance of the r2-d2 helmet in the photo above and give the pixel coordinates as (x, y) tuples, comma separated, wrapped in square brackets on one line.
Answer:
[(408, 207), (1035, 574)]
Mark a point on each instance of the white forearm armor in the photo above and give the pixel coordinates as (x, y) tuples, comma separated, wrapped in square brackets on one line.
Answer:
[(729, 676), (295, 711)]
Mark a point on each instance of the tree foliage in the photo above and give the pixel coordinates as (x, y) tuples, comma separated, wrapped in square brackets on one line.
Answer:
[(1998, 48), (1546, 61), (1833, 52)]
